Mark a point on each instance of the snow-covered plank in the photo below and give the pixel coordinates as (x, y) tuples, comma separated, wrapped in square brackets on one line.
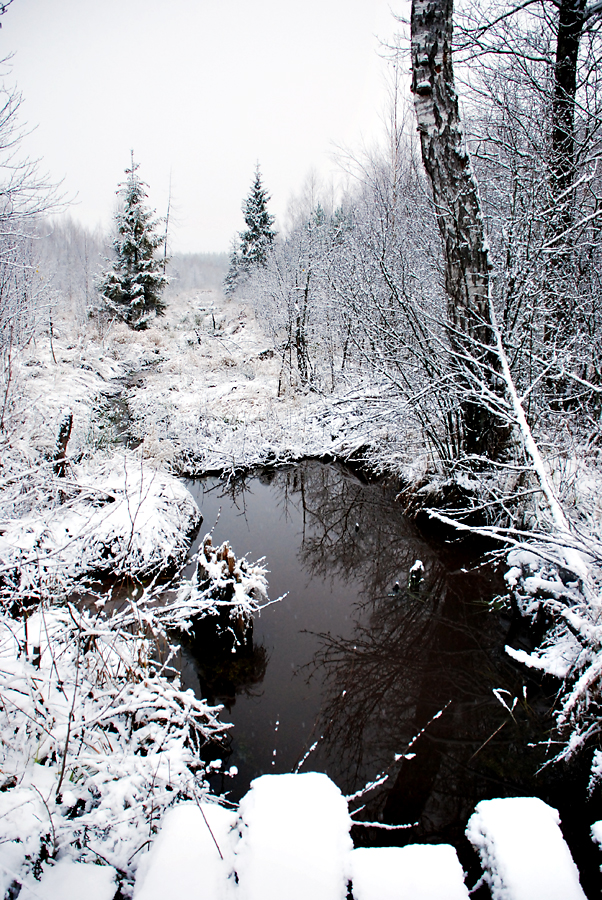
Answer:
[(191, 858), (523, 852), (295, 841), (414, 872)]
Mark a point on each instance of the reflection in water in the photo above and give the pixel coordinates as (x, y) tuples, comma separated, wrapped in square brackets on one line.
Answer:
[(222, 674), (411, 655), (363, 665)]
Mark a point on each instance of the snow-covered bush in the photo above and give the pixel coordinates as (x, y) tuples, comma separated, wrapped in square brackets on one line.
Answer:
[(98, 737), (558, 587)]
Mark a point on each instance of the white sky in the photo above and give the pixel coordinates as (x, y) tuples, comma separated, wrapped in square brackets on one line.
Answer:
[(201, 89)]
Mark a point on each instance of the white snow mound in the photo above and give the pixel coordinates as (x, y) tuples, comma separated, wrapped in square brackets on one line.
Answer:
[(415, 872), (192, 856), (522, 850), (295, 840), (68, 880)]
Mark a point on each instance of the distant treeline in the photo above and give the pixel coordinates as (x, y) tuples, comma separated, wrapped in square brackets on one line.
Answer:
[(195, 271)]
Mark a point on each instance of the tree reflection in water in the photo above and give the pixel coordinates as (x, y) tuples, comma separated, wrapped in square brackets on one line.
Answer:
[(380, 660), (412, 655)]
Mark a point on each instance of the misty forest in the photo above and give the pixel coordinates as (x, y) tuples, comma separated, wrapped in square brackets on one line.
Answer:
[(321, 510)]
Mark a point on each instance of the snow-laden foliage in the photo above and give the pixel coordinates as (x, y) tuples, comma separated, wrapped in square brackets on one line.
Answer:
[(558, 588), (132, 288), (251, 249), (99, 738)]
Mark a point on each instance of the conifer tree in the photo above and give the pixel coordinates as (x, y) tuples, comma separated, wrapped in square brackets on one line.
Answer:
[(251, 250), (132, 288)]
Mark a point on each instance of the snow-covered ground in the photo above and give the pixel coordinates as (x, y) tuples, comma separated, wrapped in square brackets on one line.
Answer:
[(205, 396), (199, 391)]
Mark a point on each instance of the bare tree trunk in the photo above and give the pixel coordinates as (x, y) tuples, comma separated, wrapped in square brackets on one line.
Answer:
[(561, 301), (458, 211), (571, 20)]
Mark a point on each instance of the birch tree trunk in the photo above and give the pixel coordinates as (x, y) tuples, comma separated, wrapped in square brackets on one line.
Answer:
[(458, 211)]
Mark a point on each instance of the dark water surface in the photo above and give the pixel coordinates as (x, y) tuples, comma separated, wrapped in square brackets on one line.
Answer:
[(414, 684)]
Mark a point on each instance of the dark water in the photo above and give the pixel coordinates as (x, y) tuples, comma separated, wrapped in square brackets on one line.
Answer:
[(408, 683)]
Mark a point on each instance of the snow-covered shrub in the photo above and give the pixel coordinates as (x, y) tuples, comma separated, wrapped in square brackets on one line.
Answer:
[(559, 587), (98, 737)]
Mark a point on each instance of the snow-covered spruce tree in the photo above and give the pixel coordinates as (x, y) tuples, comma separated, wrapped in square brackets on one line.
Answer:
[(251, 250), (131, 289)]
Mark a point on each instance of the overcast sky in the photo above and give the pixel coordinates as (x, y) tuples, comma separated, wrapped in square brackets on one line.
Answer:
[(201, 90)]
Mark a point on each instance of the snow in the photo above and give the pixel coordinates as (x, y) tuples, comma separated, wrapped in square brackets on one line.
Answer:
[(12, 855), (523, 851), (97, 753), (68, 880), (596, 831), (290, 839), (556, 658), (185, 861), (596, 768), (115, 513), (414, 872), (559, 585), (294, 839)]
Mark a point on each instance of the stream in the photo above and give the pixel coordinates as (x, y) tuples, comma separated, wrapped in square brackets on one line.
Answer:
[(378, 678)]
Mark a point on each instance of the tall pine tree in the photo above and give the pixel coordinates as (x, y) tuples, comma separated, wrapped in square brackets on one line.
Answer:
[(132, 288), (253, 245)]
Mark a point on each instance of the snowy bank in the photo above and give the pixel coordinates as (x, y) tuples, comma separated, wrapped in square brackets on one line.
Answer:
[(116, 514), (556, 585)]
